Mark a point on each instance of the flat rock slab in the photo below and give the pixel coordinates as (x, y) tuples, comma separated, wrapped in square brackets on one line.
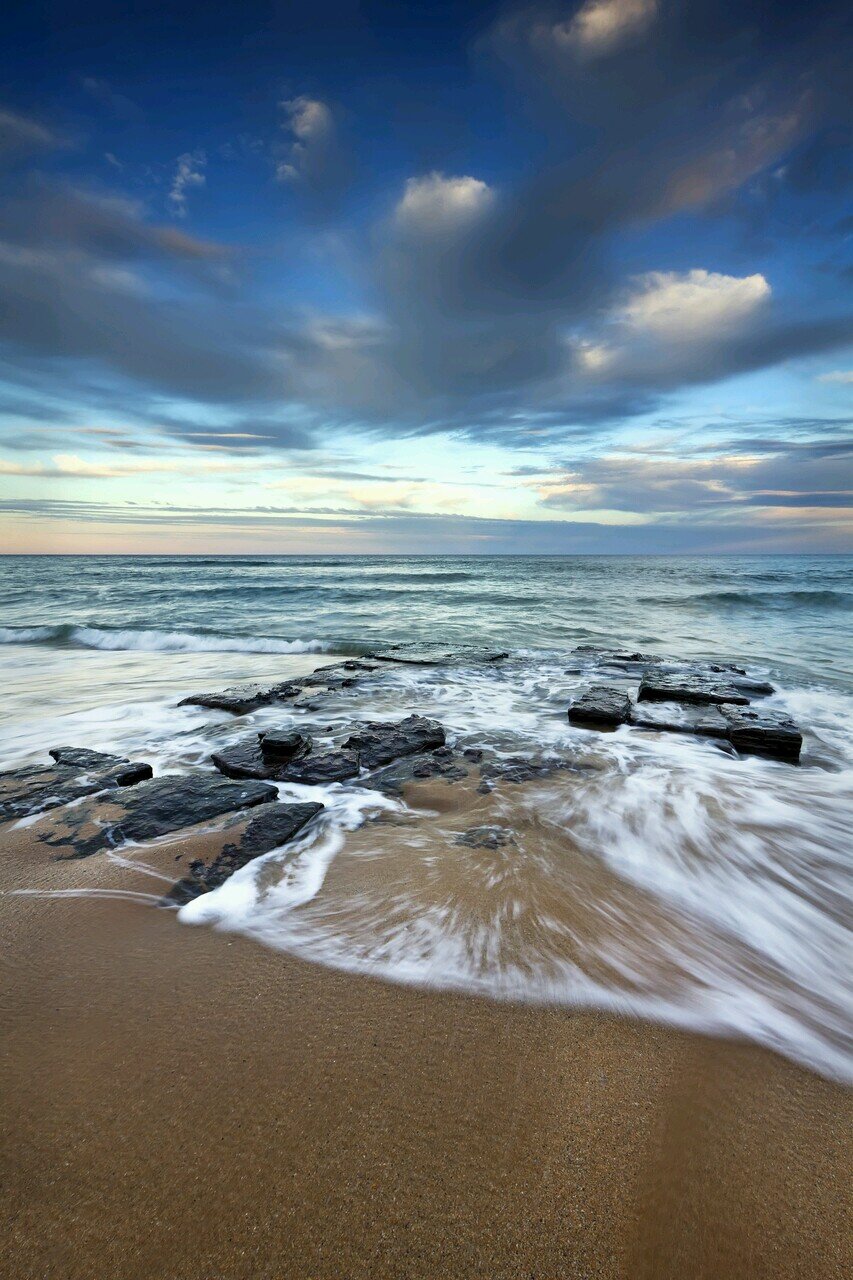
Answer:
[(657, 686), (602, 705), (763, 733), (672, 717), (273, 827), (243, 698), (320, 769), (77, 772), (427, 655), (441, 763), (378, 742), (156, 808)]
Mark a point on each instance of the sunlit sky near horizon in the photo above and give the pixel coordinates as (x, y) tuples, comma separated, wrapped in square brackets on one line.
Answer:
[(426, 277)]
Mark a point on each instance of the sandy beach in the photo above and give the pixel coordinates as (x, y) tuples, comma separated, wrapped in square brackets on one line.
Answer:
[(181, 1103)]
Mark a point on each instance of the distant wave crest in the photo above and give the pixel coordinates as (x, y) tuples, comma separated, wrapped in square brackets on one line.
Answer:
[(153, 641)]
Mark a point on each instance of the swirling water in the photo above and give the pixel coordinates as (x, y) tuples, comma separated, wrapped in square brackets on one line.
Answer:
[(657, 876)]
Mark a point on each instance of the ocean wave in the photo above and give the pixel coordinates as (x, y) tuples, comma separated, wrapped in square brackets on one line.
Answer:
[(826, 599), (154, 641)]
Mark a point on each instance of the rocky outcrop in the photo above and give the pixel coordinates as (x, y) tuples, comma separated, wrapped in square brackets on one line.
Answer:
[(378, 742), (77, 772), (321, 769), (427, 655), (242, 699), (602, 705), (151, 809), (274, 826), (704, 721), (442, 763), (764, 733), (285, 744), (658, 686)]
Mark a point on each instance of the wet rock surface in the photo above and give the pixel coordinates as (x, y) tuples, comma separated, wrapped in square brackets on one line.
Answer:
[(151, 809), (601, 705), (243, 699), (423, 655), (441, 763), (706, 698), (274, 826), (285, 744), (664, 687), (378, 742), (486, 837), (763, 732), (77, 772), (322, 768)]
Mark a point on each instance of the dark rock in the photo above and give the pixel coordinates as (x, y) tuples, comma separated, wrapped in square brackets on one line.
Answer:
[(602, 704), (156, 808), (518, 769), (243, 699), (83, 758), (758, 688), (426, 655), (78, 772), (474, 754), (763, 733), (274, 826), (285, 744), (434, 764), (246, 760), (704, 721), (486, 837), (379, 742), (662, 687), (317, 770)]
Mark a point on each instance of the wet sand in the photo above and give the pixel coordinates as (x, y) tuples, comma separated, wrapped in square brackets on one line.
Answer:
[(179, 1103)]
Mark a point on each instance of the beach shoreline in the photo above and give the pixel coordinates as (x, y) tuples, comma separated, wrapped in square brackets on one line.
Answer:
[(181, 1102)]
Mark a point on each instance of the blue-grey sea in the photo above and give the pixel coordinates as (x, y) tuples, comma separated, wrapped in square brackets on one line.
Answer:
[(659, 876)]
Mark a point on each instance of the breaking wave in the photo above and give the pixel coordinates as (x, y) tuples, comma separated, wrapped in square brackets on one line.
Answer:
[(153, 641)]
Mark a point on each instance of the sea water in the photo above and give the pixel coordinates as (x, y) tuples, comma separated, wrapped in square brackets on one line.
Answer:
[(658, 877)]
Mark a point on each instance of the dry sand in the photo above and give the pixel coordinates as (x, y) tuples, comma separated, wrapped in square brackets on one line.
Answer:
[(180, 1104)]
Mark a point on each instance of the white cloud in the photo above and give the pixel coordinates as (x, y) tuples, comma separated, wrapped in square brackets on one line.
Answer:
[(693, 304), (188, 174), (311, 126), (842, 376), (19, 133), (437, 203), (601, 25)]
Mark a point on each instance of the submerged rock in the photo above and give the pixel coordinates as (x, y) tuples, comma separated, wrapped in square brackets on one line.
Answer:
[(273, 826), (657, 686), (427, 655), (704, 721), (486, 837), (602, 704), (378, 742), (441, 763), (764, 733), (77, 772), (155, 808), (322, 768), (244, 698)]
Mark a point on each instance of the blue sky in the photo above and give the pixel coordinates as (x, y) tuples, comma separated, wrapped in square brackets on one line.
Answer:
[(426, 277)]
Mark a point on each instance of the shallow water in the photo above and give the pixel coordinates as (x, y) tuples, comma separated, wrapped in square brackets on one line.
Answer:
[(655, 875)]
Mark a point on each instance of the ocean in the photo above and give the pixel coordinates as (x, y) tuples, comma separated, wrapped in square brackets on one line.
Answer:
[(658, 877)]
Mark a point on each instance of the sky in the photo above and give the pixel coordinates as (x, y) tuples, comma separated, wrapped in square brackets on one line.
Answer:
[(426, 277)]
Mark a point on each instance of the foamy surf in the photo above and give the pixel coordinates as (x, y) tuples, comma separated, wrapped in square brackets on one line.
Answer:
[(146, 640)]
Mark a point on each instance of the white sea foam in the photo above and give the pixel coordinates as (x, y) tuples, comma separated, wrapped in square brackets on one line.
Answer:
[(150, 640)]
